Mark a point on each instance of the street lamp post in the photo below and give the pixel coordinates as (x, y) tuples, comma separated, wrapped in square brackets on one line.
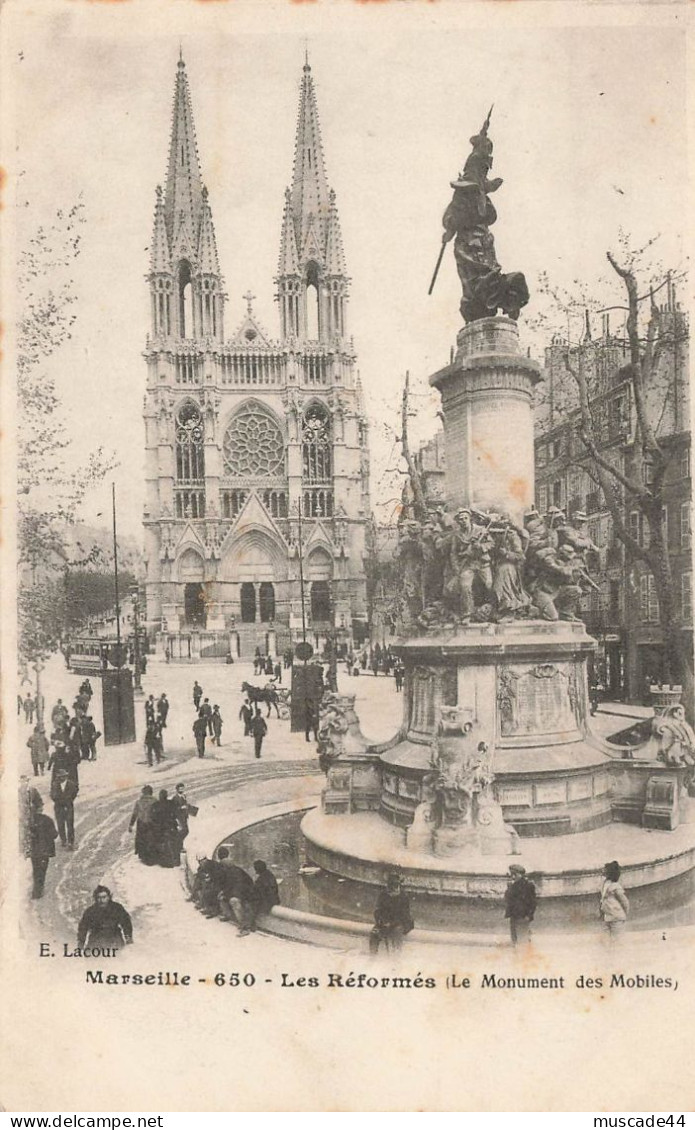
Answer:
[(135, 597)]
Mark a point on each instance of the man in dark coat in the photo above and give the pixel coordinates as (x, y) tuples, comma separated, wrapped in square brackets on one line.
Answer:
[(520, 904), (259, 728), (311, 720), (163, 708), (182, 810), (197, 694), (265, 892), (149, 710), (392, 917), (205, 711), (63, 793), (64, 756), (42, 848), (30, 803), (59, 714), (207, 886), (153, 743), (38, 744), (216, 720), (246, 715), (200, 729), (235, 898), (88, 738), (105, 923)]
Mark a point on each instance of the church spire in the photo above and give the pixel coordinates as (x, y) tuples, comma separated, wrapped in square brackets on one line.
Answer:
[(183, 199), (312, 278), (310, 202), (185, 281)]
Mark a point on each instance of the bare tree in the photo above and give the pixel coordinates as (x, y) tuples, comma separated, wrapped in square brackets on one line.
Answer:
[(418, 491), (625, 485)]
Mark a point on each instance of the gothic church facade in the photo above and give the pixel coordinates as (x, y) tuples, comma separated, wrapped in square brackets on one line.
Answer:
[(257, 457)]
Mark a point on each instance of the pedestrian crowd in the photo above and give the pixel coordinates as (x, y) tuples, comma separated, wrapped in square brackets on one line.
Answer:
[(393, 919), (376, 659), (161, 825), (255, 725), (156, 714), (273, 668), (221, 889), (73, 739), (208, 721)]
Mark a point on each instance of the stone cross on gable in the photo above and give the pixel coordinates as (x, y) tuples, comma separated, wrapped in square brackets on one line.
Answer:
[(249, 299)]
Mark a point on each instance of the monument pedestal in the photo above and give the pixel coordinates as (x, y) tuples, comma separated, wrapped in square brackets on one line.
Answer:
[(522, 687), (487, 398)]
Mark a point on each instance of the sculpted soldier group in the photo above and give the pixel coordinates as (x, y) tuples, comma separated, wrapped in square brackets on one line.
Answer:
[(483, 567)]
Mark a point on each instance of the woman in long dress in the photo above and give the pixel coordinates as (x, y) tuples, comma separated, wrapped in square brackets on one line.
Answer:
[(167, 843), (141, 820)]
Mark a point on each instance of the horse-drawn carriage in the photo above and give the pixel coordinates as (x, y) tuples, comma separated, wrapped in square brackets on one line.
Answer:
[(270, 694)]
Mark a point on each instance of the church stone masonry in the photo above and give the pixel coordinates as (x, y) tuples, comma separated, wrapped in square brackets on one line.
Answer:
[(252, 443)]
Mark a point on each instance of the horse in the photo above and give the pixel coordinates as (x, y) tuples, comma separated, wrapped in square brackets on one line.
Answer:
[(266, 694)]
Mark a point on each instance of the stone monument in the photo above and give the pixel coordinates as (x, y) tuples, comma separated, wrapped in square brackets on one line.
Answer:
[(495, 755)]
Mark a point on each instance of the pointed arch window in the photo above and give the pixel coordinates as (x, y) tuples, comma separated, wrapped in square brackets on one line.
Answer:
[(317, 454), (190, 447), (313, 308), (186, 328)]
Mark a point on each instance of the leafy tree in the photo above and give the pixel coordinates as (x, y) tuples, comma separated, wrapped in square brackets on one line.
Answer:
[(49, 492)]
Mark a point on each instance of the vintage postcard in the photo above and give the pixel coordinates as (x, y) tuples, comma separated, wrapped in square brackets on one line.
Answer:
[(349, 760)]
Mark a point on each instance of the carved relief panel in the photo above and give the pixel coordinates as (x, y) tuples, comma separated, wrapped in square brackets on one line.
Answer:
[(542, 699), (431, 687)]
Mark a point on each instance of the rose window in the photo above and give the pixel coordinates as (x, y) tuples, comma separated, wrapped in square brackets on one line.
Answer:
[(253, 446)]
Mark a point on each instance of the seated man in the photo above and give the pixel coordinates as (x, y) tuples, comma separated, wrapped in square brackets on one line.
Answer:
[(207, 885), (392, 918), (235, 898), (265, 892)]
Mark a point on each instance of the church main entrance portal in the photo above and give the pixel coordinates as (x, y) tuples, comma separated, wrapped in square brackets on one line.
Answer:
[(194, 606), (248, 603)]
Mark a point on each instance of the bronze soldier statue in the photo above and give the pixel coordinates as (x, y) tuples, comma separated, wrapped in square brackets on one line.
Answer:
[(467, 220)]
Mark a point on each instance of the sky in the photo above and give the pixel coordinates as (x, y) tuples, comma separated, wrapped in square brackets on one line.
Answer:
[(588, 126)]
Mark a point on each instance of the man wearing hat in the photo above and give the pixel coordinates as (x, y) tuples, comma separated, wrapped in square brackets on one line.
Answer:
[(64, 756), (392, 917), (42, 837), (575, 533), (63, 793), (555, 590), (519, 904)]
